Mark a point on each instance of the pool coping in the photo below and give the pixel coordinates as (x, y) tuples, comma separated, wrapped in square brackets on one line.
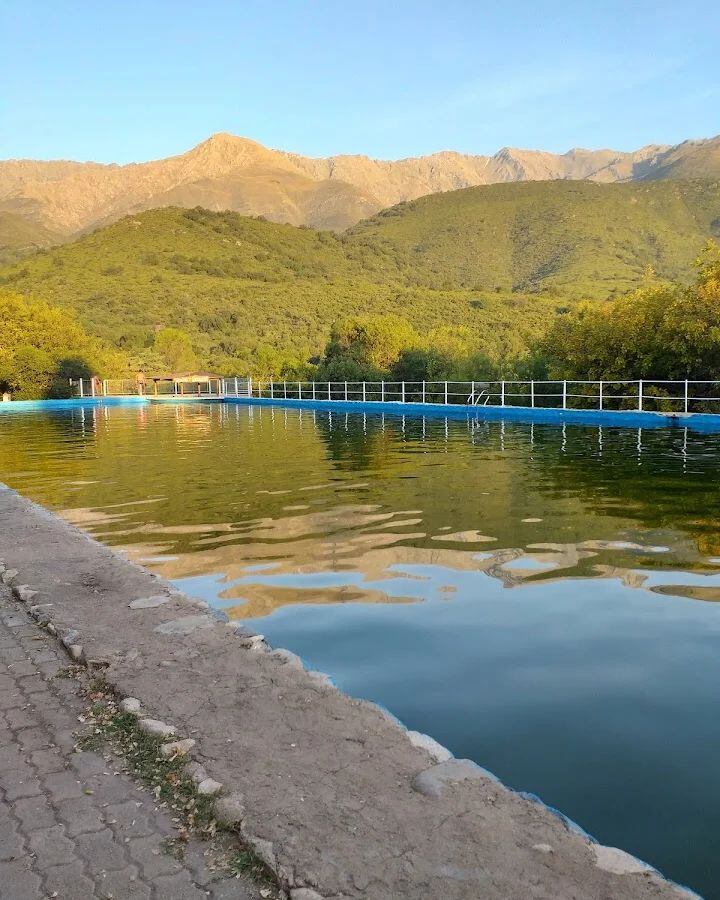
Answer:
[(336, 795)]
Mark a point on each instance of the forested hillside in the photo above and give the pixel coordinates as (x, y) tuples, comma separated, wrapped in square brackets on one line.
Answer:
[(580, 238), (251, 293), (500, 262)]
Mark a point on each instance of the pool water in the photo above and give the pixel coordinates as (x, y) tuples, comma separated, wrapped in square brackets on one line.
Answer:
[(541, 599)]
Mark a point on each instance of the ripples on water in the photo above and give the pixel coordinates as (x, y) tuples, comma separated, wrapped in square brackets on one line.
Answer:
[(538, 598)]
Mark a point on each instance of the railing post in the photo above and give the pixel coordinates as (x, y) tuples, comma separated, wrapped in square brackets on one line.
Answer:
[(502, 393), (532, 394), (284, 390), (446, 393), (601, 395), (313, 390), (382, 391), (250, 387), (423, 392), (363, 391), (564, 394), (329, 390), (640, 395), (402, 391), (346, 391), (81, 388), (105, 388), (686, 395), (272, 389), (472, 393), (92, 387)]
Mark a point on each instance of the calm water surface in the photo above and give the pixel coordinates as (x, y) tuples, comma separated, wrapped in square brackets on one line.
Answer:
[(541, 599)]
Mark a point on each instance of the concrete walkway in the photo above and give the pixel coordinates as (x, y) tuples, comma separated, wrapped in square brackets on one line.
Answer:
[(72, 826)]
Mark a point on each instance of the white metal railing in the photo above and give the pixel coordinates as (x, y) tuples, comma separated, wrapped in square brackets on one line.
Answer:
[(127, 387), (642, 395)]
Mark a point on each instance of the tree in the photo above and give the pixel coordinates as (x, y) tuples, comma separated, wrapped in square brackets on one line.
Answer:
[(42, 347), (423, 365), (375, 341), (175, 349), (662, 331)]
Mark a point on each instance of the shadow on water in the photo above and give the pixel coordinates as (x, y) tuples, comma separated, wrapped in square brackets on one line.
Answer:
[(537, 597)]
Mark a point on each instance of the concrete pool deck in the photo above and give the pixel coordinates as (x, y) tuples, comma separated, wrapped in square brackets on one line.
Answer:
[(335, 795)]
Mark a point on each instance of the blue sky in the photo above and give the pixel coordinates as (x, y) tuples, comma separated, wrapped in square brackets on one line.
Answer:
[(118, 82)]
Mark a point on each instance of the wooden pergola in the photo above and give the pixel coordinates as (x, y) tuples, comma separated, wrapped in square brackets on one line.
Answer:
[(181, 383)]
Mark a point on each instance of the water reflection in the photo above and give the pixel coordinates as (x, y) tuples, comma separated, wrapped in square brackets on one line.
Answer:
[(228, 492), (539, 598)]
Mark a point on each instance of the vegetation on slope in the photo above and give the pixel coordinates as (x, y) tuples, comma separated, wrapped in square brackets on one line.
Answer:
[(585, 239), (661, 331), (252, 295), (478, 276), (21, 237)]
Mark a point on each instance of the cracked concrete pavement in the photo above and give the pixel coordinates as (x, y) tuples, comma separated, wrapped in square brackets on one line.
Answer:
[(334, 795)]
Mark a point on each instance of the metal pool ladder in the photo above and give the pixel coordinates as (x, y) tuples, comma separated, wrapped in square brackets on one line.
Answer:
[(477, 397)]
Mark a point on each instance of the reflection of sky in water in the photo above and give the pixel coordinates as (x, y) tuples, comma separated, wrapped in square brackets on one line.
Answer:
[(540, 599)]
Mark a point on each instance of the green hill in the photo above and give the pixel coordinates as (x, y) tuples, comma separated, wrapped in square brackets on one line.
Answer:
[(21, 237), (245, 289), (580, 238), (500, 260)]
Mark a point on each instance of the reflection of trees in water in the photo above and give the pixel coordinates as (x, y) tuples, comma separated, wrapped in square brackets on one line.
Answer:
[(357, 441), (661, 479), (47, 447), (224, 488)]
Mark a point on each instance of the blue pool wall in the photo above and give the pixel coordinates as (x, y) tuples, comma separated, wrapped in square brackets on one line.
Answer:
[(626, 418), (17, 406)]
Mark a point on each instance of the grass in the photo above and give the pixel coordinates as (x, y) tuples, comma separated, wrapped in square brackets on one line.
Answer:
[(108, 727)]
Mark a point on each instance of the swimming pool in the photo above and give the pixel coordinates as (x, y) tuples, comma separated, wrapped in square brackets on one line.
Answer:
[(538, 597)]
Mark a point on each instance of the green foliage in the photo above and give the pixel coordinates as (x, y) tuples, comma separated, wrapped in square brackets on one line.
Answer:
[(371, 348), (42, 347), (375, 341), (477, 275), (175, 349), (660, 331), (238, 286), (556, 237)]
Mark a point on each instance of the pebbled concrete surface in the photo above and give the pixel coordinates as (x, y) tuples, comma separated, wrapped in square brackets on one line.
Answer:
[(72, 826), (331, 790)]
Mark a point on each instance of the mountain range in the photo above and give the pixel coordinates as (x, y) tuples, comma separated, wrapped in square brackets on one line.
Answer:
[(44, 202)]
